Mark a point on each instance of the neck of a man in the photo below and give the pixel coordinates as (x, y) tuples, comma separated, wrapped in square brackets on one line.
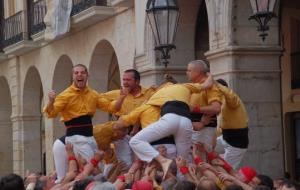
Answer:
[(80, 88), (135, 91), (200, 79)]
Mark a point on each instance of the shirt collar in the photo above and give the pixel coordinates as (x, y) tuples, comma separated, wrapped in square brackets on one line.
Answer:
[(74, 88), (142, 92)]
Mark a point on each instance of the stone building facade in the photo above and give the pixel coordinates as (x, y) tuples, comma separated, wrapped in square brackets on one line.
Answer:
[(114, 35)]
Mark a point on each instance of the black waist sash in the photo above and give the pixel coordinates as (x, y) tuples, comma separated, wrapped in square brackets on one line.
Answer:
[(176, 107), (165, 140), (81, 125), (236, 137)]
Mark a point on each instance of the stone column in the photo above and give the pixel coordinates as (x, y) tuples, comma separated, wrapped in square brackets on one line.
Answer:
[(18, 146), (17, 125), (6, 158), (49, 134), (27, 144), (32, 139)]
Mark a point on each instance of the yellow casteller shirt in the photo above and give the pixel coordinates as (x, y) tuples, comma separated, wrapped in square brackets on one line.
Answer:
[(150, 111), (206, 97), (103, 133), (73, 102), (233, 112), (130, 102)]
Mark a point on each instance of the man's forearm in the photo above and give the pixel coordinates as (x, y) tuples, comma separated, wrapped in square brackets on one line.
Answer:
[(50, 107), (212, 109), (119, 103)]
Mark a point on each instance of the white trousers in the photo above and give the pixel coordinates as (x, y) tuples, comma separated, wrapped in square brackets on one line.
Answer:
[(232, 155), (123, 150), (170, 124), (205, 136), (83, 146), (60, 160)]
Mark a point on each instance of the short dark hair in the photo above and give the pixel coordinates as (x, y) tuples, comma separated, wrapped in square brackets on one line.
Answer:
[(207, 184), (233, 187), (12, 182), (265, 180), (40, 185), (81, 65), (222, 82), (290, 183), (136, 74), (184, 185), (262, 187), (82, 184)]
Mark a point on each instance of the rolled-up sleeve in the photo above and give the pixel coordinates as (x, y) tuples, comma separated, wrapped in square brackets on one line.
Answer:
[(134, 116), (105, 104), (59, 104)]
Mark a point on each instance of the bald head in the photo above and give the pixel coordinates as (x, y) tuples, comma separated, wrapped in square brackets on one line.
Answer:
[(197, 70), (200, 66)]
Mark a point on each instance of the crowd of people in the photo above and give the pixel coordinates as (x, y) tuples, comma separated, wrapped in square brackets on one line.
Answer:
[(181, 136)]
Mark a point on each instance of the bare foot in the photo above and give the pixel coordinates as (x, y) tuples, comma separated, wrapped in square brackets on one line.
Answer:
[(165, 164)]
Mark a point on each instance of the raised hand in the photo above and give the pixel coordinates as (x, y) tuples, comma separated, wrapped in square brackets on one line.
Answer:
[(208, 82), (192, 170), (124, 91), (69, 149), (225, 177), (51, 96), (205, 119), (99, 155), (180, 161), (118, 124), (137, 164)]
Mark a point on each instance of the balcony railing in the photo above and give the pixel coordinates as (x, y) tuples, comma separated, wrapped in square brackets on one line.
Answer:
[(39, 9), (13, 29), (81, 5)]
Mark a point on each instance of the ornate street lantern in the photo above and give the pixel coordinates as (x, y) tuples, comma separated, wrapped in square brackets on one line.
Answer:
[(163, 16), (263, 12)]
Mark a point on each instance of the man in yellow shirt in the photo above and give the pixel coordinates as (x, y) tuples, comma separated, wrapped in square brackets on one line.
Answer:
[(234, 124), (76, 105), (175, 120), (129, 97), (207, 102), (124, 100)]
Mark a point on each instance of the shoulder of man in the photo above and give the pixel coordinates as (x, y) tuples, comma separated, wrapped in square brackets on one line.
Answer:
[(67, 91), (148, 90), (113, 94)]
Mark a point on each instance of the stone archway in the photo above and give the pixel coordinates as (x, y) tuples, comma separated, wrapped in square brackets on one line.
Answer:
[(114, 74), (186, 33), (6, 145), (33, 125), (104, 73), (62, 78), (202, 32)]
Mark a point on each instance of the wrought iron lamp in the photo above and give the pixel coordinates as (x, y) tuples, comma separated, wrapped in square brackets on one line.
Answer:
[(163, 16), (263, 12)]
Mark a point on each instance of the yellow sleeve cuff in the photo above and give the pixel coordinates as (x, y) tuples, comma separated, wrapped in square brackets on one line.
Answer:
[(110, 160)]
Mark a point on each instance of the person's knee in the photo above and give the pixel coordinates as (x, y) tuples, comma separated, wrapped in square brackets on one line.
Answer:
[(58, 148), (133, 142)]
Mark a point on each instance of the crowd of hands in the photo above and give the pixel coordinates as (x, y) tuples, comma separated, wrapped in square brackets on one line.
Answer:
[(202, 173)]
